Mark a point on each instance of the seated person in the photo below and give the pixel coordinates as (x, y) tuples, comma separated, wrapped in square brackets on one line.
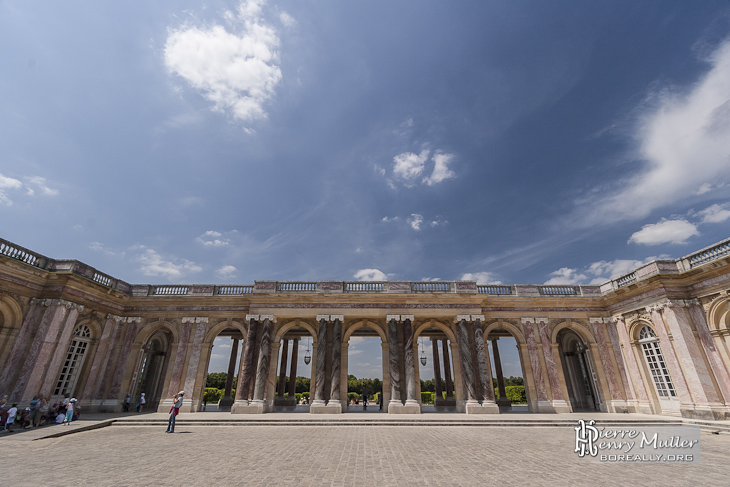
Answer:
[(60, 418)]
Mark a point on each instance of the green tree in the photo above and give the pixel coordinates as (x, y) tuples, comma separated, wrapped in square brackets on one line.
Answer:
[(428, 385), (303, 384), (216, 380)]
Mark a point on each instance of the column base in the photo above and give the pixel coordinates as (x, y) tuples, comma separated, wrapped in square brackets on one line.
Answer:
[(440, 401), (334, 407), (504, 404), (225, 403), (111, 406), (553, 407), (285, 401), (617, 407), (253, 407), (484, 408)]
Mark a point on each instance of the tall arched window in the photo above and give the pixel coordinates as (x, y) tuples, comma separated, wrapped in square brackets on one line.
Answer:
[(655, 361), (74, 360)]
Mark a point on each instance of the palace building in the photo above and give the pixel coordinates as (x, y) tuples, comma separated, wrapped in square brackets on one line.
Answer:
[(655, 341)]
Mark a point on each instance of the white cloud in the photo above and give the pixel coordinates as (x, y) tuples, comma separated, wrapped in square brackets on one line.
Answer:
[(227, 271), (480, 277), (211, 238), (100, 247), (441, 169), (565, 275), (7, 183), (415, 221), (438, 222), (430, 279), (40, 183), (409, 166), (287, 20), (370, 275), (154, 265), (237, 71), (715, 213), (685, 141), (666, 231), (388, 219)]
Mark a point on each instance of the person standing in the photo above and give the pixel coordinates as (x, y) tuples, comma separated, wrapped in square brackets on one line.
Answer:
[(34, 409), (12, 412), (127, 400), (141, 403), (177, 404), (70, 411)]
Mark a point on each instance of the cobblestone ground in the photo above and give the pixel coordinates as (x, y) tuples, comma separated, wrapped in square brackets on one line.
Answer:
[(338, 456)]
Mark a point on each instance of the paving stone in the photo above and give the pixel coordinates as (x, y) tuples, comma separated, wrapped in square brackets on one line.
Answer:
[(336, 456)]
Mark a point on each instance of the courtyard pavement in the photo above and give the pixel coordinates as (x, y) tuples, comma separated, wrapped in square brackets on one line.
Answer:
[(334, 454)]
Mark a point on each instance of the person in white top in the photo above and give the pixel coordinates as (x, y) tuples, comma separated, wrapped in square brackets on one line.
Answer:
[(12, 412), (70, 411)]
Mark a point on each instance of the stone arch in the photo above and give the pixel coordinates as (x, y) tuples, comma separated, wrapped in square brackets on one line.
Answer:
[(149, 329), (434, 324), (636, 325), (291, 324), (93, 325), (359, 324), (718, 314), (11, 312), (580, 330), (222, 325), (512, 329)]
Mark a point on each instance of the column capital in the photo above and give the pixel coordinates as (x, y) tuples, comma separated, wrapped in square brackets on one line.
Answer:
[(323, 317), (406, 317), (252, 317), (132, 319), (616, 318), (117, 318), (527, 320), (459, 318), (541, 320), (337, 317), (271, 318), (392, 317), (477, 318), (598, 320)]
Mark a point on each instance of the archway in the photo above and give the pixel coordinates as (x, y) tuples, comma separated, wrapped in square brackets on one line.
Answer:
[(225, 341), (434, 365), (73, 364), (295, 341), (511, 390), (365, 359), (665, 395), (578, 372), (152, 369)]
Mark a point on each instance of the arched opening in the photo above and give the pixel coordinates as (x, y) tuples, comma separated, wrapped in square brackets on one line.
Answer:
[(365, 368), (73, 364), (435, 368), (666, 395), (578, 371), (151, 369), (224, 361), (508, 375), (10, 320), (294, 380)]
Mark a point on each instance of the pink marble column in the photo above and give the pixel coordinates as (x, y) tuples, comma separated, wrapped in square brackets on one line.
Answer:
[(263, 363), (201, 326), (131, 325), (534, 360), (59, 355), (613, 386), (248, 365), (98, 359), (670, 357), (698, 377), (177, 366), (625, 351), (697, 314), (14, 363), (550, 366), (40, 350), (109, 361)]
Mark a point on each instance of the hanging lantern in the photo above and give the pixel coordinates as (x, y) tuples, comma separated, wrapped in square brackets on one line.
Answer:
[(307, 355), (423, 354)]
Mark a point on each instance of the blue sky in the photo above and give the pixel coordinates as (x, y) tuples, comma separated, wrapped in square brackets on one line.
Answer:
[(513, 142)]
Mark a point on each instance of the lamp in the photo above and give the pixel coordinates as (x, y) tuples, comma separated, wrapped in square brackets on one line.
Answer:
[(423, 354), (307, 355)]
